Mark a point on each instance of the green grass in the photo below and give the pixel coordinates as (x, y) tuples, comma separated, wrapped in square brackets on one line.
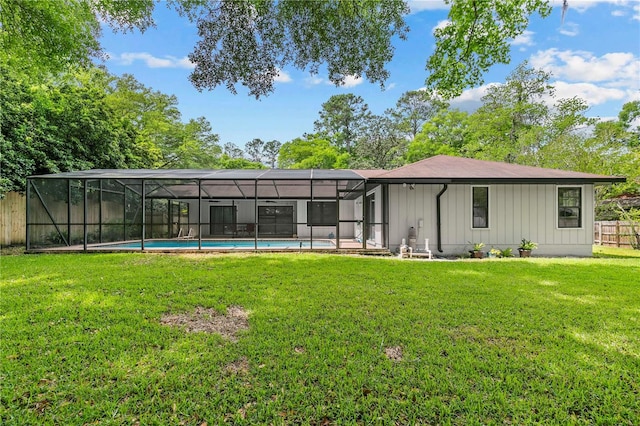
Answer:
[(519, 341), (614, 252)]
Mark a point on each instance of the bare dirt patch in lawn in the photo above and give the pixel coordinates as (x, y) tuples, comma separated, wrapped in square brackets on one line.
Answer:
[(394, 353), (239, 366), (209, 320)]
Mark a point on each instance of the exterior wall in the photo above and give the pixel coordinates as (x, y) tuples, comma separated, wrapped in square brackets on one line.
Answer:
[(516, 211), (346, 229), (377, 236), (246, 214)]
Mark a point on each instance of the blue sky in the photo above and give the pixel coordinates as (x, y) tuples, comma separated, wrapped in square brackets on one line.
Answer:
[(594, 54)]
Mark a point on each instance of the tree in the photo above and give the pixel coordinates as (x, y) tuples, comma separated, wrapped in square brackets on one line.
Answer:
[(341, 118), (195, 146), (477, 35), (509, 110), (312, 152), (249, 42), (380, 145), (47, 36), (58, 124), (414, 108), (87, 118), (254, 149), (446, 133), (629, 117), (271, 151), (618, 148), (232, 150), (226, 162)]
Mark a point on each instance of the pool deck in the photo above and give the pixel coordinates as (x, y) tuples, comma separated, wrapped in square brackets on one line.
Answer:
[(346, 246)]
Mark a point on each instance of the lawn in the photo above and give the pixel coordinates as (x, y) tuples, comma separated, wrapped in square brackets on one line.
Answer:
[(330, 340)]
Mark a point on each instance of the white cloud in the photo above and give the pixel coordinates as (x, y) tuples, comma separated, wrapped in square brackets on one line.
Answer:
[(390, 86), (615, 68), (592, 93), (636, 12), (524, 39), (581, 6), (597, 79), (471, 99), (619, 13), (186, 63), (570, 29), (282, 77), (313, 80), (351, 81), (441, 24), (151, 61), (420, 5)]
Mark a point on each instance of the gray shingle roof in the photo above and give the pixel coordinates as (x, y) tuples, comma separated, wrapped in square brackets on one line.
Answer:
[(444, 168)]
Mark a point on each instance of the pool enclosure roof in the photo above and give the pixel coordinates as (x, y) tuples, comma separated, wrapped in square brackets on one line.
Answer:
[(209, 174), (227, 183)]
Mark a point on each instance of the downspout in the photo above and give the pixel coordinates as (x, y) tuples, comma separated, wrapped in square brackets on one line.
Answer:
[(438, 221)]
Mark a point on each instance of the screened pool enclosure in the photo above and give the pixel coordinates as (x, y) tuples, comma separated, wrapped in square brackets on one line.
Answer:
[(205, 210)]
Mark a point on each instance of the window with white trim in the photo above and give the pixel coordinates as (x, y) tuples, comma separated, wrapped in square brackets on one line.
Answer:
[(480, 195), (570, 207)]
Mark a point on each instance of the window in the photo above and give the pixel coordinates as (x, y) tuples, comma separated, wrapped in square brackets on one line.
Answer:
[(322, 213), (570, 207), (480, 206), (276, 221)]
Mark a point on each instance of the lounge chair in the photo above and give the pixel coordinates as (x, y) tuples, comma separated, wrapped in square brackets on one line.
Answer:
[(189, 236)]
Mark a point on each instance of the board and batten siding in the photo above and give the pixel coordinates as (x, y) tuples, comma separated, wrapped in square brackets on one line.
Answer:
[(516, 211)]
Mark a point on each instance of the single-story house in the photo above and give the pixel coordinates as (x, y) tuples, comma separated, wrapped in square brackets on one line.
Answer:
[(451, 201)]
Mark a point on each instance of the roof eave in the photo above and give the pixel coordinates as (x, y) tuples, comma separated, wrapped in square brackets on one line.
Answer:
[(595, 181)]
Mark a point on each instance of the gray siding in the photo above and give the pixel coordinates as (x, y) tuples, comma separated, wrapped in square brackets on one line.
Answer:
[(516, 211)]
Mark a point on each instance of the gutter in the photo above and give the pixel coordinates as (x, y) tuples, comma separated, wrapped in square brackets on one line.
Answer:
[(438, 221)]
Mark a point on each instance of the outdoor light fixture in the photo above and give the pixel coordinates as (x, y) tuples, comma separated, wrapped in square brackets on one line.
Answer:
[(411, 185)]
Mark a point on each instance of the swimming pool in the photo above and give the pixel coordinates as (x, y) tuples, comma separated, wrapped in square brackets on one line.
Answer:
[(222, 244)]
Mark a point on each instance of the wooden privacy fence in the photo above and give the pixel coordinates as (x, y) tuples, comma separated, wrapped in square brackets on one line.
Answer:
[(13, 219), (615, 233)]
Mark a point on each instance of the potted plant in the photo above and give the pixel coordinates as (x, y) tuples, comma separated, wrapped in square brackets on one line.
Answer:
[(494, 252), (477, 252), (526, 246), (508, 252)]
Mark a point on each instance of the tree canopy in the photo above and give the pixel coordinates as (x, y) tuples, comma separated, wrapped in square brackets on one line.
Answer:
[(87, 118), (250, 42)]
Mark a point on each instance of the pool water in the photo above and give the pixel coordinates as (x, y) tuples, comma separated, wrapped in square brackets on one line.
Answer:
[(227, 244)]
